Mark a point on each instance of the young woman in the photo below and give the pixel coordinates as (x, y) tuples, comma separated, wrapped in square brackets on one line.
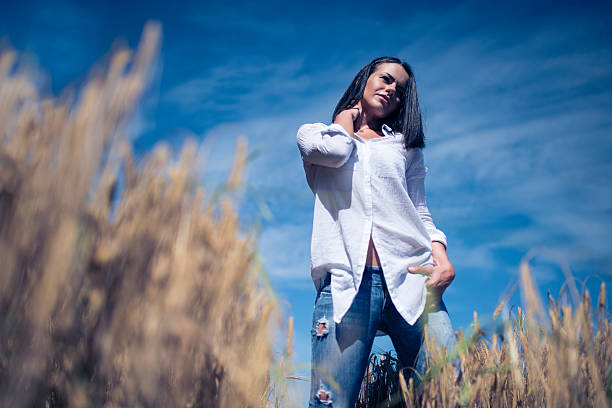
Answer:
[(377, 260)]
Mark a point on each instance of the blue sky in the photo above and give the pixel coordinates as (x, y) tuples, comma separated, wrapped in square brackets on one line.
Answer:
[(517, 101)]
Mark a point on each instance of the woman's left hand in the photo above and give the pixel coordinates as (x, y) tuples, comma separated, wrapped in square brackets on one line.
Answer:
[(440, 275)]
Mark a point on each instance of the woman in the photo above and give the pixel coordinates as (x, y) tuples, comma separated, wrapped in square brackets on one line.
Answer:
[(377, 260)]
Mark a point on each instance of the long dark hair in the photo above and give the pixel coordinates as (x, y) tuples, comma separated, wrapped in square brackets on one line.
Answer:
[(406, 118)]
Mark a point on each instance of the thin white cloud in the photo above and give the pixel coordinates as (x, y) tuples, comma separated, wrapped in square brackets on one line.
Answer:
[(241, 86), (285, 251)]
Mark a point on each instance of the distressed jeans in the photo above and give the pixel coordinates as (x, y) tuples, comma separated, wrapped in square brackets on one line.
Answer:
[(340, 352)]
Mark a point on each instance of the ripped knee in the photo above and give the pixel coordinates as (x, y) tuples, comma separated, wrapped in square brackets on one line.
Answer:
[(324, 395), (322, 327)]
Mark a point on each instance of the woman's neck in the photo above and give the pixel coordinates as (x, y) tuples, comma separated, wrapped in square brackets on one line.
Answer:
[(367, 122)]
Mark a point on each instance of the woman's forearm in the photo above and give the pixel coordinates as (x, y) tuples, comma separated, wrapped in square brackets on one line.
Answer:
[(445, 272), (438, 251), (323, 145)]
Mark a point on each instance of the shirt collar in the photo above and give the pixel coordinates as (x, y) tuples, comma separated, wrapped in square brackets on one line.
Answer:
[(387, 131)]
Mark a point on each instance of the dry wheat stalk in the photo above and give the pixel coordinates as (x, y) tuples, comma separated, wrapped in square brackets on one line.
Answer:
[(133, 296)]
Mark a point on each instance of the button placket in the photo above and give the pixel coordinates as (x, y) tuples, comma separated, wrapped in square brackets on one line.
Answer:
[(368, 197)]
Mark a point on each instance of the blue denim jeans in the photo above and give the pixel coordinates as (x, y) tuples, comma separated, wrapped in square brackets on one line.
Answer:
[(340, 352)]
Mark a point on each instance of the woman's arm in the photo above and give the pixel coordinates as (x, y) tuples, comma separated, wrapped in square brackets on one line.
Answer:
[(329, 146), (442, 273), (415, 181)]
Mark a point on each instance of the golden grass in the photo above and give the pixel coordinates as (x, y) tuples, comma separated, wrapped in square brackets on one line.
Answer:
[(121, 284), (550, 357)]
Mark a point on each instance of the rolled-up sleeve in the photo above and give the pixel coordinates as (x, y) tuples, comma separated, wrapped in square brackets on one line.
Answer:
[(415, 179), (324, 145)]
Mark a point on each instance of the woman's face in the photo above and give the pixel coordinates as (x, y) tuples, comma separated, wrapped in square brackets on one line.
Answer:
[(384, 89)]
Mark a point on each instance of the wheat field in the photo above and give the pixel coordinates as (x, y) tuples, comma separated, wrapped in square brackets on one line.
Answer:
[(123, 283), (554, 356)]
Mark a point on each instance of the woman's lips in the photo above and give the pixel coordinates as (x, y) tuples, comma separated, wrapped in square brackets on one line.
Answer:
[(384, 98)]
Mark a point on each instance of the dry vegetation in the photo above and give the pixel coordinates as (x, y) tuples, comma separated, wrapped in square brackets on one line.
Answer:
[(380, 386), (121, 284), (533, 360)]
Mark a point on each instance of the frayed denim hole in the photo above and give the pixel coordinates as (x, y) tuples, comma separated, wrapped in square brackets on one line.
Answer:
[(324, 395), (321, 328)]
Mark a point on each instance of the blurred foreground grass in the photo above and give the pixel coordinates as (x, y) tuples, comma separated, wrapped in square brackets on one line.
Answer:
[(558, 356), (121, 285)]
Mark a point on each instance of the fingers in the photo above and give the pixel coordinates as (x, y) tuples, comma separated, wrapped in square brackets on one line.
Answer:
[(421, 270), (355, 112), (435, 282)]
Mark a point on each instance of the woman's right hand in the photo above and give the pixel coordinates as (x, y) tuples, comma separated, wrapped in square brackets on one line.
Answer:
[(348, 118), (355, 111)]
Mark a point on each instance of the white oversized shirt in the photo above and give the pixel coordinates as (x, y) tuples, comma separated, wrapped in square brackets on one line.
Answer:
[(368, 187)]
